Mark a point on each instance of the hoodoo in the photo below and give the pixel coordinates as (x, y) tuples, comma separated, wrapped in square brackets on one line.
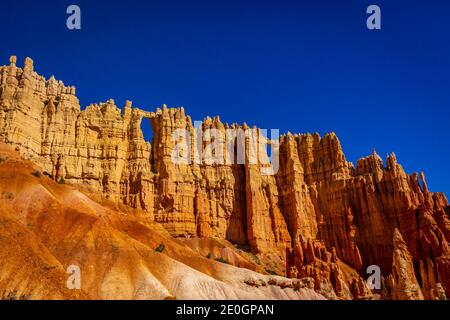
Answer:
[(319, 217)]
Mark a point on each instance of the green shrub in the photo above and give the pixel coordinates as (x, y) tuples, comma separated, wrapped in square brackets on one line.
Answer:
[(220, 259), (255, 259), (62, 181), (271, 272), (160, 248), (243, 247), (7, 195), (37, 174), (12, 295)]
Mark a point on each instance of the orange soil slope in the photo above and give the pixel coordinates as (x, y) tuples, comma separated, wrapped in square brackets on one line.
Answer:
[(46, 227)]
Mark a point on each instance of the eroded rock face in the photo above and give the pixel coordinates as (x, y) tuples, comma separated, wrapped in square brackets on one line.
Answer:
[(402, 281), (315, 214)]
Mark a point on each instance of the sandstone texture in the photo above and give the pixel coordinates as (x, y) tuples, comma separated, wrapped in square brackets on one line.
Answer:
[(319, 217), (46, 226)]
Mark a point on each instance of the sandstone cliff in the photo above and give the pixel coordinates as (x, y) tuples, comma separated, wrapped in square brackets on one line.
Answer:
[(318, 216), (45, 227)]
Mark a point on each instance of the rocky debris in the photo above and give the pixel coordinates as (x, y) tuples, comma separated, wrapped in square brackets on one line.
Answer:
[(311, 259), (402, 282), (316, 211), (283, 283)]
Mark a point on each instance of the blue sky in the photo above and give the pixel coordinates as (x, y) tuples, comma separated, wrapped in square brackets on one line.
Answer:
[(302, 66)]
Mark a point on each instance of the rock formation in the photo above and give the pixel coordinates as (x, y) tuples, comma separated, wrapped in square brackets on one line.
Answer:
[(318, 216), (48, 228)]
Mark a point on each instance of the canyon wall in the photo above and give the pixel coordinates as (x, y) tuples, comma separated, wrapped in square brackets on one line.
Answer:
[(317, 216)]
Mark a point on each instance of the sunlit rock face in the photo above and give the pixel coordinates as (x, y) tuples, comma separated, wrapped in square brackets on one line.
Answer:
[(317, 214)]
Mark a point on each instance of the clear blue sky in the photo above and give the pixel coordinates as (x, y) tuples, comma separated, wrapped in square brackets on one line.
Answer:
[(302, 66)]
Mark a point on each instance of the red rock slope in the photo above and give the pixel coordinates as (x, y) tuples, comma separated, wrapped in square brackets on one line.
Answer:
[(318, 216), (45, 227)]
